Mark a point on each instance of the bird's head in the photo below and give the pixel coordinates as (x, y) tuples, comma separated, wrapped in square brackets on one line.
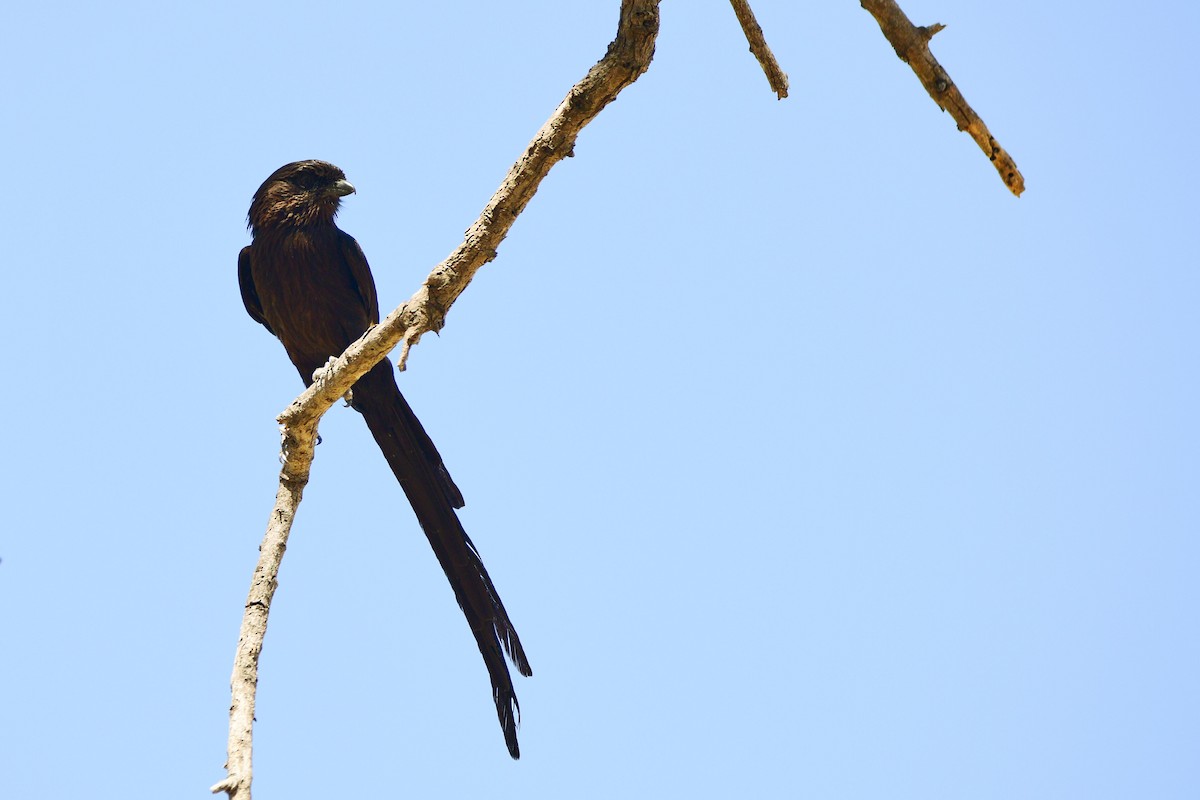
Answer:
[(299, 194)]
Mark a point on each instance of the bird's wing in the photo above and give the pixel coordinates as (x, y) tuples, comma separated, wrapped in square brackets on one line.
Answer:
[(356, 260), (246, 282)]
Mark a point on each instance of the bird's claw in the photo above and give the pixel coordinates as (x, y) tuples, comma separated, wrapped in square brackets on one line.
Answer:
[(320, 372)]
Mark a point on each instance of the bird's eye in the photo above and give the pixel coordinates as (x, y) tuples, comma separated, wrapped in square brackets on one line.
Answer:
[(306, 181)]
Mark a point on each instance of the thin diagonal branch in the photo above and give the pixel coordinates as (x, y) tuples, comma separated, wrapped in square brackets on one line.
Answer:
[(298, 442), (628, 56), (912, 46), (759, 47)]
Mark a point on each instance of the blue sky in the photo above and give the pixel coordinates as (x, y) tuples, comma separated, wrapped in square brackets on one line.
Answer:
[(808, 461)]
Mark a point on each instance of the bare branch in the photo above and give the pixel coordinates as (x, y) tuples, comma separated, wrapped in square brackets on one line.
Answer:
[(758, 46), (628, 56), (298, 455), (912, 46)]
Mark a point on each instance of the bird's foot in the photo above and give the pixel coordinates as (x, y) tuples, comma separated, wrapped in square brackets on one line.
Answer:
[(283, 443), (320, 372)]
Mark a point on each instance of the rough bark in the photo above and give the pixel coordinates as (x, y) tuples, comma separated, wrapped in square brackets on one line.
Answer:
[(911, 44), (758, 46)]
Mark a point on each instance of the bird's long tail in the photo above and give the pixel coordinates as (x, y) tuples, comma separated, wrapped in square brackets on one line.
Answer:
[(433, 495)]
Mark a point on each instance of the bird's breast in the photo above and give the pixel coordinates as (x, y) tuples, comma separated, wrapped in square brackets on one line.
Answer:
[(308, 295)]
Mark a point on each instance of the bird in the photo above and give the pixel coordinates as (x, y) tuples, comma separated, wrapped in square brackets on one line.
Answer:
[(308, 283)]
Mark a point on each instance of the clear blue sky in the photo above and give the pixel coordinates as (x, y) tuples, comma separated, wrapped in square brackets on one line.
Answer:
[(809, 462)]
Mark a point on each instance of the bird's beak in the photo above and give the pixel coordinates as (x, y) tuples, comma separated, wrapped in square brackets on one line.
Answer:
[(342, 188)]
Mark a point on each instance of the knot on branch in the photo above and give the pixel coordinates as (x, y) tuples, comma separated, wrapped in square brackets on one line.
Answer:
[(911, 43), (928, 32)]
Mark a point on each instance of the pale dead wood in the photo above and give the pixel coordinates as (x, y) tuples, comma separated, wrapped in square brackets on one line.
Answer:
[(298, 442), (759, 47), (628, 56), (912, 46)]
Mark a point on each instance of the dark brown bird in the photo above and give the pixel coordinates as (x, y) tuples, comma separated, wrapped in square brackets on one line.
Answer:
[(308, 283)]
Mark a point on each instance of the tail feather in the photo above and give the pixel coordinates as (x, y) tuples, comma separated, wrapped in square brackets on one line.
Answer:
[(418, 466)]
